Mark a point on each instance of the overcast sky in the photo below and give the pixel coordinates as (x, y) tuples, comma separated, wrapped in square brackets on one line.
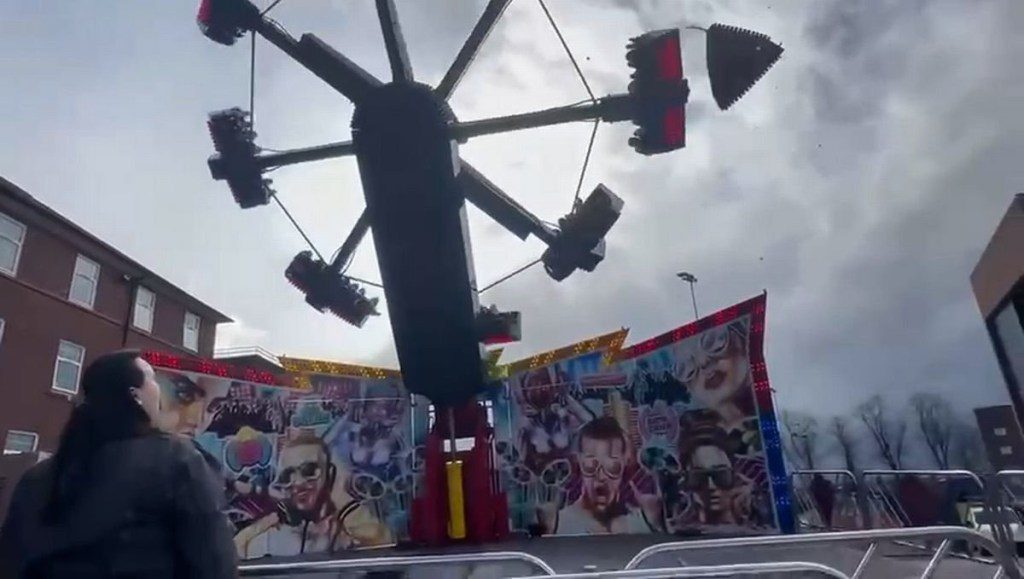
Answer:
[(857, 183)]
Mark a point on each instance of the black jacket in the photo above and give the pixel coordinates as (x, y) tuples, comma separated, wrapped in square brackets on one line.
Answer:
[(151, 509)]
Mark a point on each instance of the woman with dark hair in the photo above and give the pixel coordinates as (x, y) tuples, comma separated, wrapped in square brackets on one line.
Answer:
[(708, 490), (717, 372), (119, 498)]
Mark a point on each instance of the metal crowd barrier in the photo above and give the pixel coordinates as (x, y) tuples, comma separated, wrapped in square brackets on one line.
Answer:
[(885, 503), (845, 509), (874, 538), (947, 534), (1011, 483), (392, 563), (799, 567), (883, 506)]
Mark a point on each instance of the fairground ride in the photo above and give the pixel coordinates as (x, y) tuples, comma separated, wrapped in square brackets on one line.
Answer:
[(405, 139)]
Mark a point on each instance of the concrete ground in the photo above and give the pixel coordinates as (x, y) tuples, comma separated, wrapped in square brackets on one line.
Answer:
[(610, 553)]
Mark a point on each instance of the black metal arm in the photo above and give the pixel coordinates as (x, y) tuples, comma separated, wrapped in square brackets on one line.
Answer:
[(354, 82), (294, 156), (468, 52), (352, 241), (490, 199), (611, 108), (332, 67), (394, 41)]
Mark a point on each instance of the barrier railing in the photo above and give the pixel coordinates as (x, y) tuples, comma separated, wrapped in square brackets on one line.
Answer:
[(825, 499), (886, 491), (367, 563), (1011, 483), (883, 505), (802, 568), (945, 534)]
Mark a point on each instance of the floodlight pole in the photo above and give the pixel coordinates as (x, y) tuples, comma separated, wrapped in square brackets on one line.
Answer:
[(690, 279)]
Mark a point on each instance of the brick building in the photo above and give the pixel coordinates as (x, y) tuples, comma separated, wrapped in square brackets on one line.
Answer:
[(1002, 436), (998, 283), (65, 298)]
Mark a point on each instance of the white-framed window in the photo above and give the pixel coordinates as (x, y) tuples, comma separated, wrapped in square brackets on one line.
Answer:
[(145, 305), (1006, 450), (999, 431), (190, 334), (84, 282), (68, 369), (19, 441), (12, 237)]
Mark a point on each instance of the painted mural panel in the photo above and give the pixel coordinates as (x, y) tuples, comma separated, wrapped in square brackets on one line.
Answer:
[(663, 438), (306, 471)]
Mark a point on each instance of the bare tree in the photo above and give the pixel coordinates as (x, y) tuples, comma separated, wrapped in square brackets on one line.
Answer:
[(839, 428), (802, 430), (889, 431), (935, 421), (969, 449)]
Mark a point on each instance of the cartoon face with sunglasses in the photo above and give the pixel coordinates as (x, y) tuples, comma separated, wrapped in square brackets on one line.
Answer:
[(720, 494), (303, 477), (603, 455), (710, 476), (306, 515), (716, 370), (601, 465)]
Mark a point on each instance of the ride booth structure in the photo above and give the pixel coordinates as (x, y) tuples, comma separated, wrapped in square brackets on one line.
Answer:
[(462, 499), (675, 435)]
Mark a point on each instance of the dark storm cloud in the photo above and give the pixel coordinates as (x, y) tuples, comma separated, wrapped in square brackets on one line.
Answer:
[(855, 216), (846, 29)]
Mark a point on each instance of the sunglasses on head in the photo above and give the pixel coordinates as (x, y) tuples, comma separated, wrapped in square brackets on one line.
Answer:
[(698, 479), (306, 471)]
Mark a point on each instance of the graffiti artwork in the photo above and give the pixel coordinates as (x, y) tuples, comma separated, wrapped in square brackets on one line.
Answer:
[(671, 435), (305, 471), (662, 437)]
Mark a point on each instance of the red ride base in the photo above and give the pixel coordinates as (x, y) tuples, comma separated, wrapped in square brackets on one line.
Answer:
[(486, 505)]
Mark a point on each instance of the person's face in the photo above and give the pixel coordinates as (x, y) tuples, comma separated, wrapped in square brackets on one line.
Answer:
[(303, 475), (148, 393), (184, 406), (602, 463), (711, 474), (380, 412), (718, 370)]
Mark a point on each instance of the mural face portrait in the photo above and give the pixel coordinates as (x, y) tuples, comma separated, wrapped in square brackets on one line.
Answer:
[(539, 390), (184, 404), (602, 461), (596, 438), (382, 412), (717, 370), (711, 476), (303, 476)]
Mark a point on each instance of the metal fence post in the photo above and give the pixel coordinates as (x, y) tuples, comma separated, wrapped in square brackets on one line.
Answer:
[(998, 513)]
